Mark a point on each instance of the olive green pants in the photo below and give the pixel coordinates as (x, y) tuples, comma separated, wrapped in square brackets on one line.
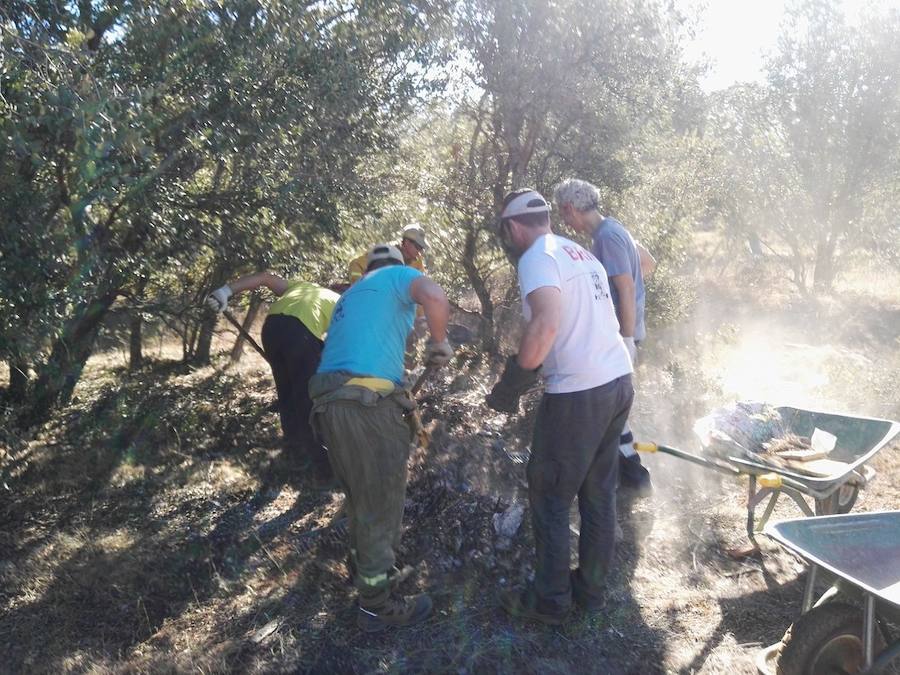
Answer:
[(368, 441)]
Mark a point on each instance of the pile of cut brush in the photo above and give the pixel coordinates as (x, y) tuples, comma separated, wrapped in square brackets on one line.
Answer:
[(757, 431)]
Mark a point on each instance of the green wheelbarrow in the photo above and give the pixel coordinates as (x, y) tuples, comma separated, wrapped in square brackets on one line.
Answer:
[(858, 440), (853, 626)]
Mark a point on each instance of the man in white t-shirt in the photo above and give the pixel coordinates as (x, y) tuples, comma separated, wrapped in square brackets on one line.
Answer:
[(571, 328)]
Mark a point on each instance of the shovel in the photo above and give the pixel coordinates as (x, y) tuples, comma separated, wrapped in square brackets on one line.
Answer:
[(423, 438)]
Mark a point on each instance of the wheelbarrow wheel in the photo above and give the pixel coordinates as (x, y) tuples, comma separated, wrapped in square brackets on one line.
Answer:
[(827, 640), (839, 501)]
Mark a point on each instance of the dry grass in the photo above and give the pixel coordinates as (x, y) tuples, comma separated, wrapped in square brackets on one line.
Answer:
[(154, 527)]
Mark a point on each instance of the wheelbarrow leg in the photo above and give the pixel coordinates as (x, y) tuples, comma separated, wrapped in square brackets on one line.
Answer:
[(799, 501), (809, 590), (758, 499), (869, 630), (751, 508), (773, 499)]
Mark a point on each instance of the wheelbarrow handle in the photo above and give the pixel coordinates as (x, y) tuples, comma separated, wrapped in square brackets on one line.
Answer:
[(768, 480), (687, 456), (776, 481)]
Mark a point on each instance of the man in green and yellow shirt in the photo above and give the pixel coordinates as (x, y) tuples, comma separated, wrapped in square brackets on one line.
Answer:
[(292, 337)]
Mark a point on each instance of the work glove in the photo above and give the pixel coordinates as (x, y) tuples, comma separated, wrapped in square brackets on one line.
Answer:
[(438, 353), (218, 299), (514, 382), (632, 349)]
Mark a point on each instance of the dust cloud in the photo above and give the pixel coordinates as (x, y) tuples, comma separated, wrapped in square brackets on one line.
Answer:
[(837, 354)]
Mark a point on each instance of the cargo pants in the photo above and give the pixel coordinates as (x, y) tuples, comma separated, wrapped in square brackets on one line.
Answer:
[(368, 438)]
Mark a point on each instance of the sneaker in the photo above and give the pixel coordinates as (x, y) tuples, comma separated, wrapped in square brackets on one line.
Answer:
[(523, 604), (396, 611)]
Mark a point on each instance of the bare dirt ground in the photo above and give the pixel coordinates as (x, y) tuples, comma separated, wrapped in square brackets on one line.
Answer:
[(154, 527)]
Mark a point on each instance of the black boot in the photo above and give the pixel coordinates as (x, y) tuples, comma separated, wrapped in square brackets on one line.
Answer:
[(634, 476)]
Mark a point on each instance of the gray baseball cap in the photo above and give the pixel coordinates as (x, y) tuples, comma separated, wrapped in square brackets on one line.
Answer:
[(416, 234)]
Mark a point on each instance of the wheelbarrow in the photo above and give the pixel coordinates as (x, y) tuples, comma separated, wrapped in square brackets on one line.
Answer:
[(858, 440), (852, 627)]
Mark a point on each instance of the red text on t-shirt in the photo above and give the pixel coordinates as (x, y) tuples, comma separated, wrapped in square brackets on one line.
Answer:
[(578, 253)]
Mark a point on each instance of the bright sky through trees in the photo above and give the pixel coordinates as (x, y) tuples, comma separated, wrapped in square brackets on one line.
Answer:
[(734, 36)]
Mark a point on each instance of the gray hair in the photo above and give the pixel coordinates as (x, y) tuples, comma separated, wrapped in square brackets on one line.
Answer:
[(579, 193)]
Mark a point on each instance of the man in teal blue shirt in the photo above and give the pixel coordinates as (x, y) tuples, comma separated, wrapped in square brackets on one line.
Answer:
[(374, 318), (361, 409)]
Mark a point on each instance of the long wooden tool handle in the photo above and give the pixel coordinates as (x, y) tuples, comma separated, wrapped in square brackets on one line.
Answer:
[(249, 338), (419, 382)]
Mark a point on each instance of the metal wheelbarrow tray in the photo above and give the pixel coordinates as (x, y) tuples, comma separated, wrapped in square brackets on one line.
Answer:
[(858, 440), (862, 551)]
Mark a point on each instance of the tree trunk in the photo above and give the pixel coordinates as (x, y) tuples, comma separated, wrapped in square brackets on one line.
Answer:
[(204, 339), (252, 313), (136, 325), (18, 380), (135, 352), (201, 341), (825, 270), (58, 376), (488, 337), (190, 337)]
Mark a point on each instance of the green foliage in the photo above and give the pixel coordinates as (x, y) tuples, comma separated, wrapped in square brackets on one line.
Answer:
[(150, 151), (573, 88), (674, 198), (146, 139)]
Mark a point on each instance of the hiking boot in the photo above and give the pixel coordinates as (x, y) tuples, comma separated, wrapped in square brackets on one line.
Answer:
[(590, 600), (396, 611), (524, 604)]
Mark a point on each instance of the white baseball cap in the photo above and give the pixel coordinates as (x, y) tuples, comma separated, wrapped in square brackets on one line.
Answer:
[(527, 202)]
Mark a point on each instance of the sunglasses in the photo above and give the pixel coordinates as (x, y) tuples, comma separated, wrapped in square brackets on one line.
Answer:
[(418, 246)]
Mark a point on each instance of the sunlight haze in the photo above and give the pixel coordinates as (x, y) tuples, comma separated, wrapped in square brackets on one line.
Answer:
[(734, 37)]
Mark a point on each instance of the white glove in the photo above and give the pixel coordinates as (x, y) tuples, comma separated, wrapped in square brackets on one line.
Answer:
[(632, 349), (218, 299), (438, 353)]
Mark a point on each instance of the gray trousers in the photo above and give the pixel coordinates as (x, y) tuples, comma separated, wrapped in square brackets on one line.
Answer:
[(575, 452)]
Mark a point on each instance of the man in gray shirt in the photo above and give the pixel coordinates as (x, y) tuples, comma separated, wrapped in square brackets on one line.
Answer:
[(625, 262)]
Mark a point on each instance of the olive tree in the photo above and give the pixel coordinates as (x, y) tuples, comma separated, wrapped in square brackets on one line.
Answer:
[(140, 137)]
